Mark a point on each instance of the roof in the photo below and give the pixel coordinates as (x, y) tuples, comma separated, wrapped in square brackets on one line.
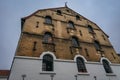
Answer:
[(4, 72)]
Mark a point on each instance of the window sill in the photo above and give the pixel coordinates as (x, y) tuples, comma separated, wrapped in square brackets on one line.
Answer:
[(83, 73), (110, 74), (48, 73)]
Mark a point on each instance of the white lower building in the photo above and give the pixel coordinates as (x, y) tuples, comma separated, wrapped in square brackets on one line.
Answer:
[(31, 68)]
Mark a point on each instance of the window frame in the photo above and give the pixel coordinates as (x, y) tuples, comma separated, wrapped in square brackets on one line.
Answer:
[(47, 65), (48, 20), (97, 45), (71, 25), (80, 61), (59, 12), (48, 38), (106, 66), (75, 42), (90, 29)]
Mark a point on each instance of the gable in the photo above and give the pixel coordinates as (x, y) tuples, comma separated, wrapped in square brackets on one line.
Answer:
[(66, 11)]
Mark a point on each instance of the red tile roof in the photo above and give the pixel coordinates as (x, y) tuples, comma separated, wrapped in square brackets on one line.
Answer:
[(4, 72)]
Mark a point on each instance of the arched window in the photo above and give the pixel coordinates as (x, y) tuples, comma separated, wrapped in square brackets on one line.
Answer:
[(48, 20), (81, 65), (47, 64), (75, 42), (97, 45), (106, 66), (71, 24), (48, 38), (90, 29)]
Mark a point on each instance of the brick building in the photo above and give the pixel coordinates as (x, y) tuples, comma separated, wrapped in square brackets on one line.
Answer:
[(61, 44)]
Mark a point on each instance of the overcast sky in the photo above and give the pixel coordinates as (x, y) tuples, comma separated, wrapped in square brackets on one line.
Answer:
[(105, 13)]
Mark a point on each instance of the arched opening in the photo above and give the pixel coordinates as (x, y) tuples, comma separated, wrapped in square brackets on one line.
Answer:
[(48, 20), (106, 66), (81, 64), (47, 64)]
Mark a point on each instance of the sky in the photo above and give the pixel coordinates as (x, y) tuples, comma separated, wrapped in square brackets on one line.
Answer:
[(105, 13)]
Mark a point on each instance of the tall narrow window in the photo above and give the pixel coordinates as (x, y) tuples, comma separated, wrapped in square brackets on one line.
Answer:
[(97, 45), (34, 46), (48, 38), (81, 65), (86, 51), (47, 64), (75, 42), (90, 29), (113, 56), (107, 66), (80, 32), (48, 20), (71, 24)]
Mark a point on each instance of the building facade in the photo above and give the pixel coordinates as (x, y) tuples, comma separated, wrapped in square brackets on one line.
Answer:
[(61, 44)]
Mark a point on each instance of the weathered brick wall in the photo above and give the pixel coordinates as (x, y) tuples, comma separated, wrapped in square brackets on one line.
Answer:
[(35, 27)]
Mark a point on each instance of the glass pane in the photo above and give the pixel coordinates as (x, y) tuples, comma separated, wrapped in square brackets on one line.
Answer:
[(80, 65), (47, 63)]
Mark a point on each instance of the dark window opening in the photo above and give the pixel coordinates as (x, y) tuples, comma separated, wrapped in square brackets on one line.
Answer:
[(34, 46), (37, 24), (97, 45), (81, 65), (86, 51), (59, 12), (90, 29), (107, 66), (80, 32), (67, 10), (71, 24), (77, 17), (47, 64), (48, 38), (75, 42), (48, 20)]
